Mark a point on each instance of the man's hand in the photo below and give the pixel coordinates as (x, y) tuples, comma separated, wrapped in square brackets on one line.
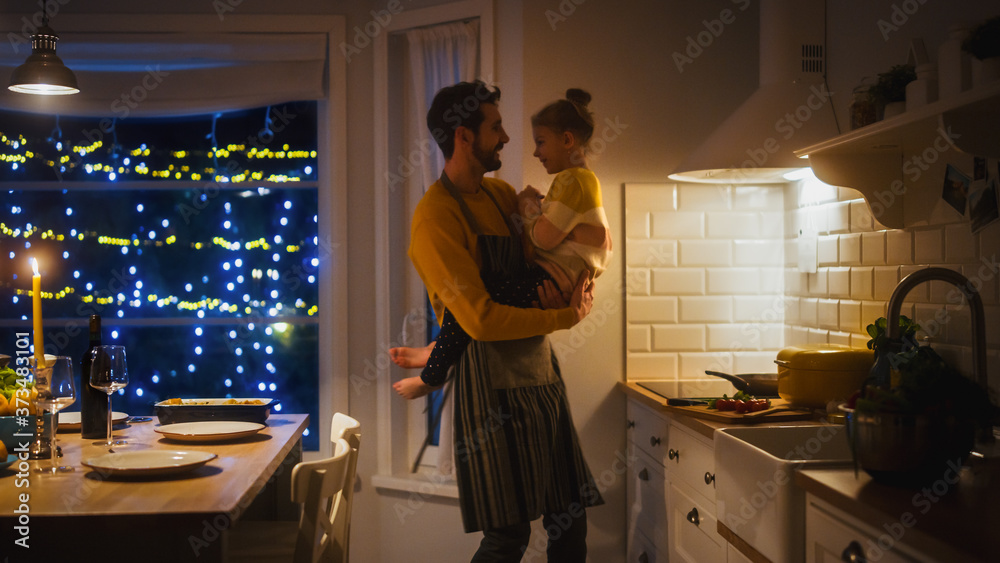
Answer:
[(527, 202), (581, 300)]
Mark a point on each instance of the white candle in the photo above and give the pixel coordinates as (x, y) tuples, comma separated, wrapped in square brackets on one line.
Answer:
[(36, 311)]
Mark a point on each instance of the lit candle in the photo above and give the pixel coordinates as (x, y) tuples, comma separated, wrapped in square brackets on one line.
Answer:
[(36, 311)]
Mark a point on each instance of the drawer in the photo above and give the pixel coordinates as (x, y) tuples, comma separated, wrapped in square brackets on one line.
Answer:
[(641, 550), (647, 500), (830, 537), (693, 534), (648, 430), (691, 460)]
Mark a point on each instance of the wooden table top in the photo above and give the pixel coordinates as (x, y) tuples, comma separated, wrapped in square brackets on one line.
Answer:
[(231, 480)]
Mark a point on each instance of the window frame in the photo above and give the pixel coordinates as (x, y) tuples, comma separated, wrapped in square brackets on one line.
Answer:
[(402, 424), (331, 171)]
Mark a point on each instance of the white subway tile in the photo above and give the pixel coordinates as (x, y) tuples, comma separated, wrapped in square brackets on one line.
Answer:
[(792, 307), (706, 253), (872, 311), (651, 254), (637, 281), (850, 316), (862, 280), (762, 198), (931, 317), (819, 283), (818, 336), (984, 280), (886, 278), (758, 308), (772, 225), (651, 309), (734, 224), (678, 225), (814, 219), (928, 246), (861, 217), (694, 364), (796, 282), (637, 224), (758, 252), (920, 293), (828, 311), (705, 197), (790, 248), (989, 244), (707, 309), (839, 217), (797, 336), (755, 362), (899, 247), (676, 338), (873, 249), (839, 282), (679, 281), (809, 311), (637, 337), (733, 281), (650, 197), (944, 292), (651, 366), (839, 337), (850, 249), (959, 244), (859, 340), (957, 325), (738, 337), (827, 250), (772, 280)]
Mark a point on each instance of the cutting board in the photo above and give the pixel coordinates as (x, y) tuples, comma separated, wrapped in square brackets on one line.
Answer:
[(730, 417)]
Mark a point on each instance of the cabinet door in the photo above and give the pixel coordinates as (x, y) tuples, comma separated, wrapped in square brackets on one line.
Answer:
[(734, 555), (832, 539), (641, 550), (647, 500), (693, 535), (648, 430), (691, 459)]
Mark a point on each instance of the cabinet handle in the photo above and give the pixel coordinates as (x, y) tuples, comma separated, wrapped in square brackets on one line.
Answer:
[(693, 517), (630, 424), (643, 558), (674, 454), (654, 441), (644, 475), (709, 478), (853, 553)]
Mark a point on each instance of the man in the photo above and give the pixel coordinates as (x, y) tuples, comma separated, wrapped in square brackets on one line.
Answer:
[(516, 451)]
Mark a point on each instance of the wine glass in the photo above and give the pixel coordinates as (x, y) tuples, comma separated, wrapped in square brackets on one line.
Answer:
[(56, 391), (109, 373)]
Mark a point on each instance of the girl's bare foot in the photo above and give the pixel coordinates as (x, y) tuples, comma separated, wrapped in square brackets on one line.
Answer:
[(407, 357)]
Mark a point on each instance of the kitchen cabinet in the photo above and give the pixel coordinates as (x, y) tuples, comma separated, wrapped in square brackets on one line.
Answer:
[(833, 535), (646, 488), (899, 163), (692, 529)]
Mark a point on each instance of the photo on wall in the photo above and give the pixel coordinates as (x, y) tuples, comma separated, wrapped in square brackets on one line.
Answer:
[(956, 189), (983, 197)]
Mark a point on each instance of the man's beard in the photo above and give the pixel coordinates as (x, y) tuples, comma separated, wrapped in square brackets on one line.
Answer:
[(489, 159)]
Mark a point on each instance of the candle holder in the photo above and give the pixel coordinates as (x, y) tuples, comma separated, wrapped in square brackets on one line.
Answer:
[(40, 447)]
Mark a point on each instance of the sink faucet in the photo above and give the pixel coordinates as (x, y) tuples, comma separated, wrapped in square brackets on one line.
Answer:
[(975, 304)]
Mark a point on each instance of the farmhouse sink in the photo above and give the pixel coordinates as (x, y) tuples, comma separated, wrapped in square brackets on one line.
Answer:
[(756, 494)]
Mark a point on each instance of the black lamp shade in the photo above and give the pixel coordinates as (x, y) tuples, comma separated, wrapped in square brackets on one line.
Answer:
[(43, 72)]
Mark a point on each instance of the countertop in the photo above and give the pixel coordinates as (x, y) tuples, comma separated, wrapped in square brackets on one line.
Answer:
[(950, 521)]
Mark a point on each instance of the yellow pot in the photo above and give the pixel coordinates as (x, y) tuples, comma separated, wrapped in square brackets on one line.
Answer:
[(812, 375)]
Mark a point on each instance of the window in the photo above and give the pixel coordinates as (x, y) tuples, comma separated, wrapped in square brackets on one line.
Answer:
[(195, 239)]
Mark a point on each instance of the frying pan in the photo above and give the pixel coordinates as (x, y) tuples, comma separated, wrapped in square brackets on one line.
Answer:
[(763, 385)]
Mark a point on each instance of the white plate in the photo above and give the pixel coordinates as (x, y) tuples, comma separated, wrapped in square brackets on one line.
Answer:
[(148, 462), (71, 420), (209, 430)]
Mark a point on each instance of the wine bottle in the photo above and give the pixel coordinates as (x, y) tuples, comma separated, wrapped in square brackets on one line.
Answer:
[(93, 402)]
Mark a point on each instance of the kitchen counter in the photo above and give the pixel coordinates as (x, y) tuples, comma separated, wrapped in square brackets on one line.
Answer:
[(956, 521)]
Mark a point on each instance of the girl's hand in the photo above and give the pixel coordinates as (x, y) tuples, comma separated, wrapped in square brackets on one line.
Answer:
[(528, 202), (583, 296), (412, 388)]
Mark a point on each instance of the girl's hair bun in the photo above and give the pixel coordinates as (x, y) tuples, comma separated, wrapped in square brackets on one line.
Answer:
[(578, 96)]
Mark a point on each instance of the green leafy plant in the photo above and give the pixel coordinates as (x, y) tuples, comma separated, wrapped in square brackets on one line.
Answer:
[(890, 86), (983, 41)]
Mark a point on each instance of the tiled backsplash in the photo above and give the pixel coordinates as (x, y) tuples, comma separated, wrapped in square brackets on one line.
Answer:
[(714, 281)]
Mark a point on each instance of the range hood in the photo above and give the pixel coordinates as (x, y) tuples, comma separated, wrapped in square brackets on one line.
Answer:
[(791, 108)]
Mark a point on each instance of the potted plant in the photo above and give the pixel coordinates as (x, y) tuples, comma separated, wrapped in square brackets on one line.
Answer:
[(919, 422), (983, 43), (889, 90)]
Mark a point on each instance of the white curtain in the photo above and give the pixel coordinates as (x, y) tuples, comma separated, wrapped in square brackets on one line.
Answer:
[(439, 56), (161, 74)]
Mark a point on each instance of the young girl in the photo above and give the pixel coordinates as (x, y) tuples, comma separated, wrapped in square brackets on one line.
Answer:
[(569, 234)]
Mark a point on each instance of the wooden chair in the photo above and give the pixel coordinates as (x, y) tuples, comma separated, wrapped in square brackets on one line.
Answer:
[(346, 428), (319, 486)]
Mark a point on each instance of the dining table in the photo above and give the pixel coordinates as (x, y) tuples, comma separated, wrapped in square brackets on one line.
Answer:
[(107, 515)]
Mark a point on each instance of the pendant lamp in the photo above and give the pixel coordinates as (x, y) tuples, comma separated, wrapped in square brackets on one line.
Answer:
[(43, 73)]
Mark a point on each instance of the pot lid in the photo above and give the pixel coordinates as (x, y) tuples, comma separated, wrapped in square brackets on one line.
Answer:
[(825, 357)]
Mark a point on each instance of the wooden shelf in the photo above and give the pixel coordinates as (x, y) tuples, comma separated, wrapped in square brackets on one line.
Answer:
[(899, 163)]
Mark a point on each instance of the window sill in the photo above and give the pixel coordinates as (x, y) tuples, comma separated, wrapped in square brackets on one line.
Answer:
[(423, 483)]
